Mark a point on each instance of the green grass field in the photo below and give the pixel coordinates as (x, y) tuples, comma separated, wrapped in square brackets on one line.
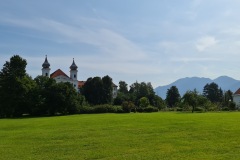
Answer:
[(122, 136)]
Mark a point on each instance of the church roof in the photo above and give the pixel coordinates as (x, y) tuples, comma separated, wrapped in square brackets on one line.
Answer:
[(114, 85), (81, 83), (238, 91), (57, 73), (45, 63), (73, 66)]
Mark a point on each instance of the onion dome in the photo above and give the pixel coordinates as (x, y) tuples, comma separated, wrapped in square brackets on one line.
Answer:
[(73, 66), (46, 64)]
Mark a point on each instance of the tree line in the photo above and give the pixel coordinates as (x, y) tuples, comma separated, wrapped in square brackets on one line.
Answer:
[(212, 99), (21, 95)]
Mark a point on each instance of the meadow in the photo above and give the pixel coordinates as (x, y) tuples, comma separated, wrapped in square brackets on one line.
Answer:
[(162, 135)]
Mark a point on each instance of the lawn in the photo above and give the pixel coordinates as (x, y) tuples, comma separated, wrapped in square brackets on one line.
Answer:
[(123, 136)]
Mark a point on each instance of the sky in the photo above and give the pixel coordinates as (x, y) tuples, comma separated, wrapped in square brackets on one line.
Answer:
[(157, 41)]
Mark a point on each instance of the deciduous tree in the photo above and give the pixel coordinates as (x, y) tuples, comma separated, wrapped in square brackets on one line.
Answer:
[(97, 90), (144, 102), (123, 87)]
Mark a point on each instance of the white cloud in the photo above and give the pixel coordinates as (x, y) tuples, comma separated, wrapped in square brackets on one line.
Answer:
[(160, 47), (108, 41), (205, 42), (115, 53), (196, 59), (233, 31)]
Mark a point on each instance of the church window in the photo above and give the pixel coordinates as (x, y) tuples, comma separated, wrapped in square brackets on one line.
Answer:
[(46, 74), (74, 75)]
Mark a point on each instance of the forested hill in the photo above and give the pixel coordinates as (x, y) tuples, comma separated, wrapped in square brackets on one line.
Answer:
[(185, 84)]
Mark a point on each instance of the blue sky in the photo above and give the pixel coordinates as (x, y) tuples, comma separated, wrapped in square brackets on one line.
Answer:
[(157, 41)]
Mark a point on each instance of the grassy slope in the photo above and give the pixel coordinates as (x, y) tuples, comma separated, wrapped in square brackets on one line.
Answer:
[(122, 136)]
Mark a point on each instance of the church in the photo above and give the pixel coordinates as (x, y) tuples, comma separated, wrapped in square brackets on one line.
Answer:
[(60, 76)]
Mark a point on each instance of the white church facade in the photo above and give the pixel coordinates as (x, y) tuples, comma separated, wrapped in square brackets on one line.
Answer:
[(236, 98), (60, 76)]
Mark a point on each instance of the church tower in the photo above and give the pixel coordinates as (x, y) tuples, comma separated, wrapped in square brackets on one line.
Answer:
[(46, 69), (73, 74)]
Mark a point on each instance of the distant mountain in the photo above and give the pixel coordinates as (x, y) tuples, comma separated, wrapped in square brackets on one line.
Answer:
[(185, 84)]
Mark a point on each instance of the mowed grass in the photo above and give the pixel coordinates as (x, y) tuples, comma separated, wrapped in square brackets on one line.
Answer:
[(123, 136)]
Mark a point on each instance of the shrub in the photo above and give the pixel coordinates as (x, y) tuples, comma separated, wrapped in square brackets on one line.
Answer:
[(150, 109), (104, 108), (119, 109), (139, 109), (199, 109), (232, 106), (183, 107), (179, 109), (86, 109), (213, 107), (225, 109), (170, 109), (144, 102), (107, 108), (127, 106)]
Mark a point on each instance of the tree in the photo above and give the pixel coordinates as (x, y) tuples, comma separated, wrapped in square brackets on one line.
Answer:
[(120, 98), (204, 102), (62, 99), (107, 90), (213, 92), (92, 90), (97, 90), (191, 98), (144, 102), (41, 95), (228, 100), (228, 96), (123, 87), (173, 96), (50, 98), (139, 90), (123, 94), (128, 106), (158, 102), (14, 87)]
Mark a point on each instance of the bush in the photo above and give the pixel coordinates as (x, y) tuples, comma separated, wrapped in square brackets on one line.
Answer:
[(139, 109), (179, 109), (127, 106), (199, 109), (86, 109), (232, 106), (170, 109), (213, 107), (119, 109), (101, 109), (150, 109), (107, 108), (225, 109), (183, 107), (144, 102)]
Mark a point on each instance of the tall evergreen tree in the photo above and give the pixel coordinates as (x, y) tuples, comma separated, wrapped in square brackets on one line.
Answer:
[(107, 89), (213, 92), (14, 87), (173, 96)]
